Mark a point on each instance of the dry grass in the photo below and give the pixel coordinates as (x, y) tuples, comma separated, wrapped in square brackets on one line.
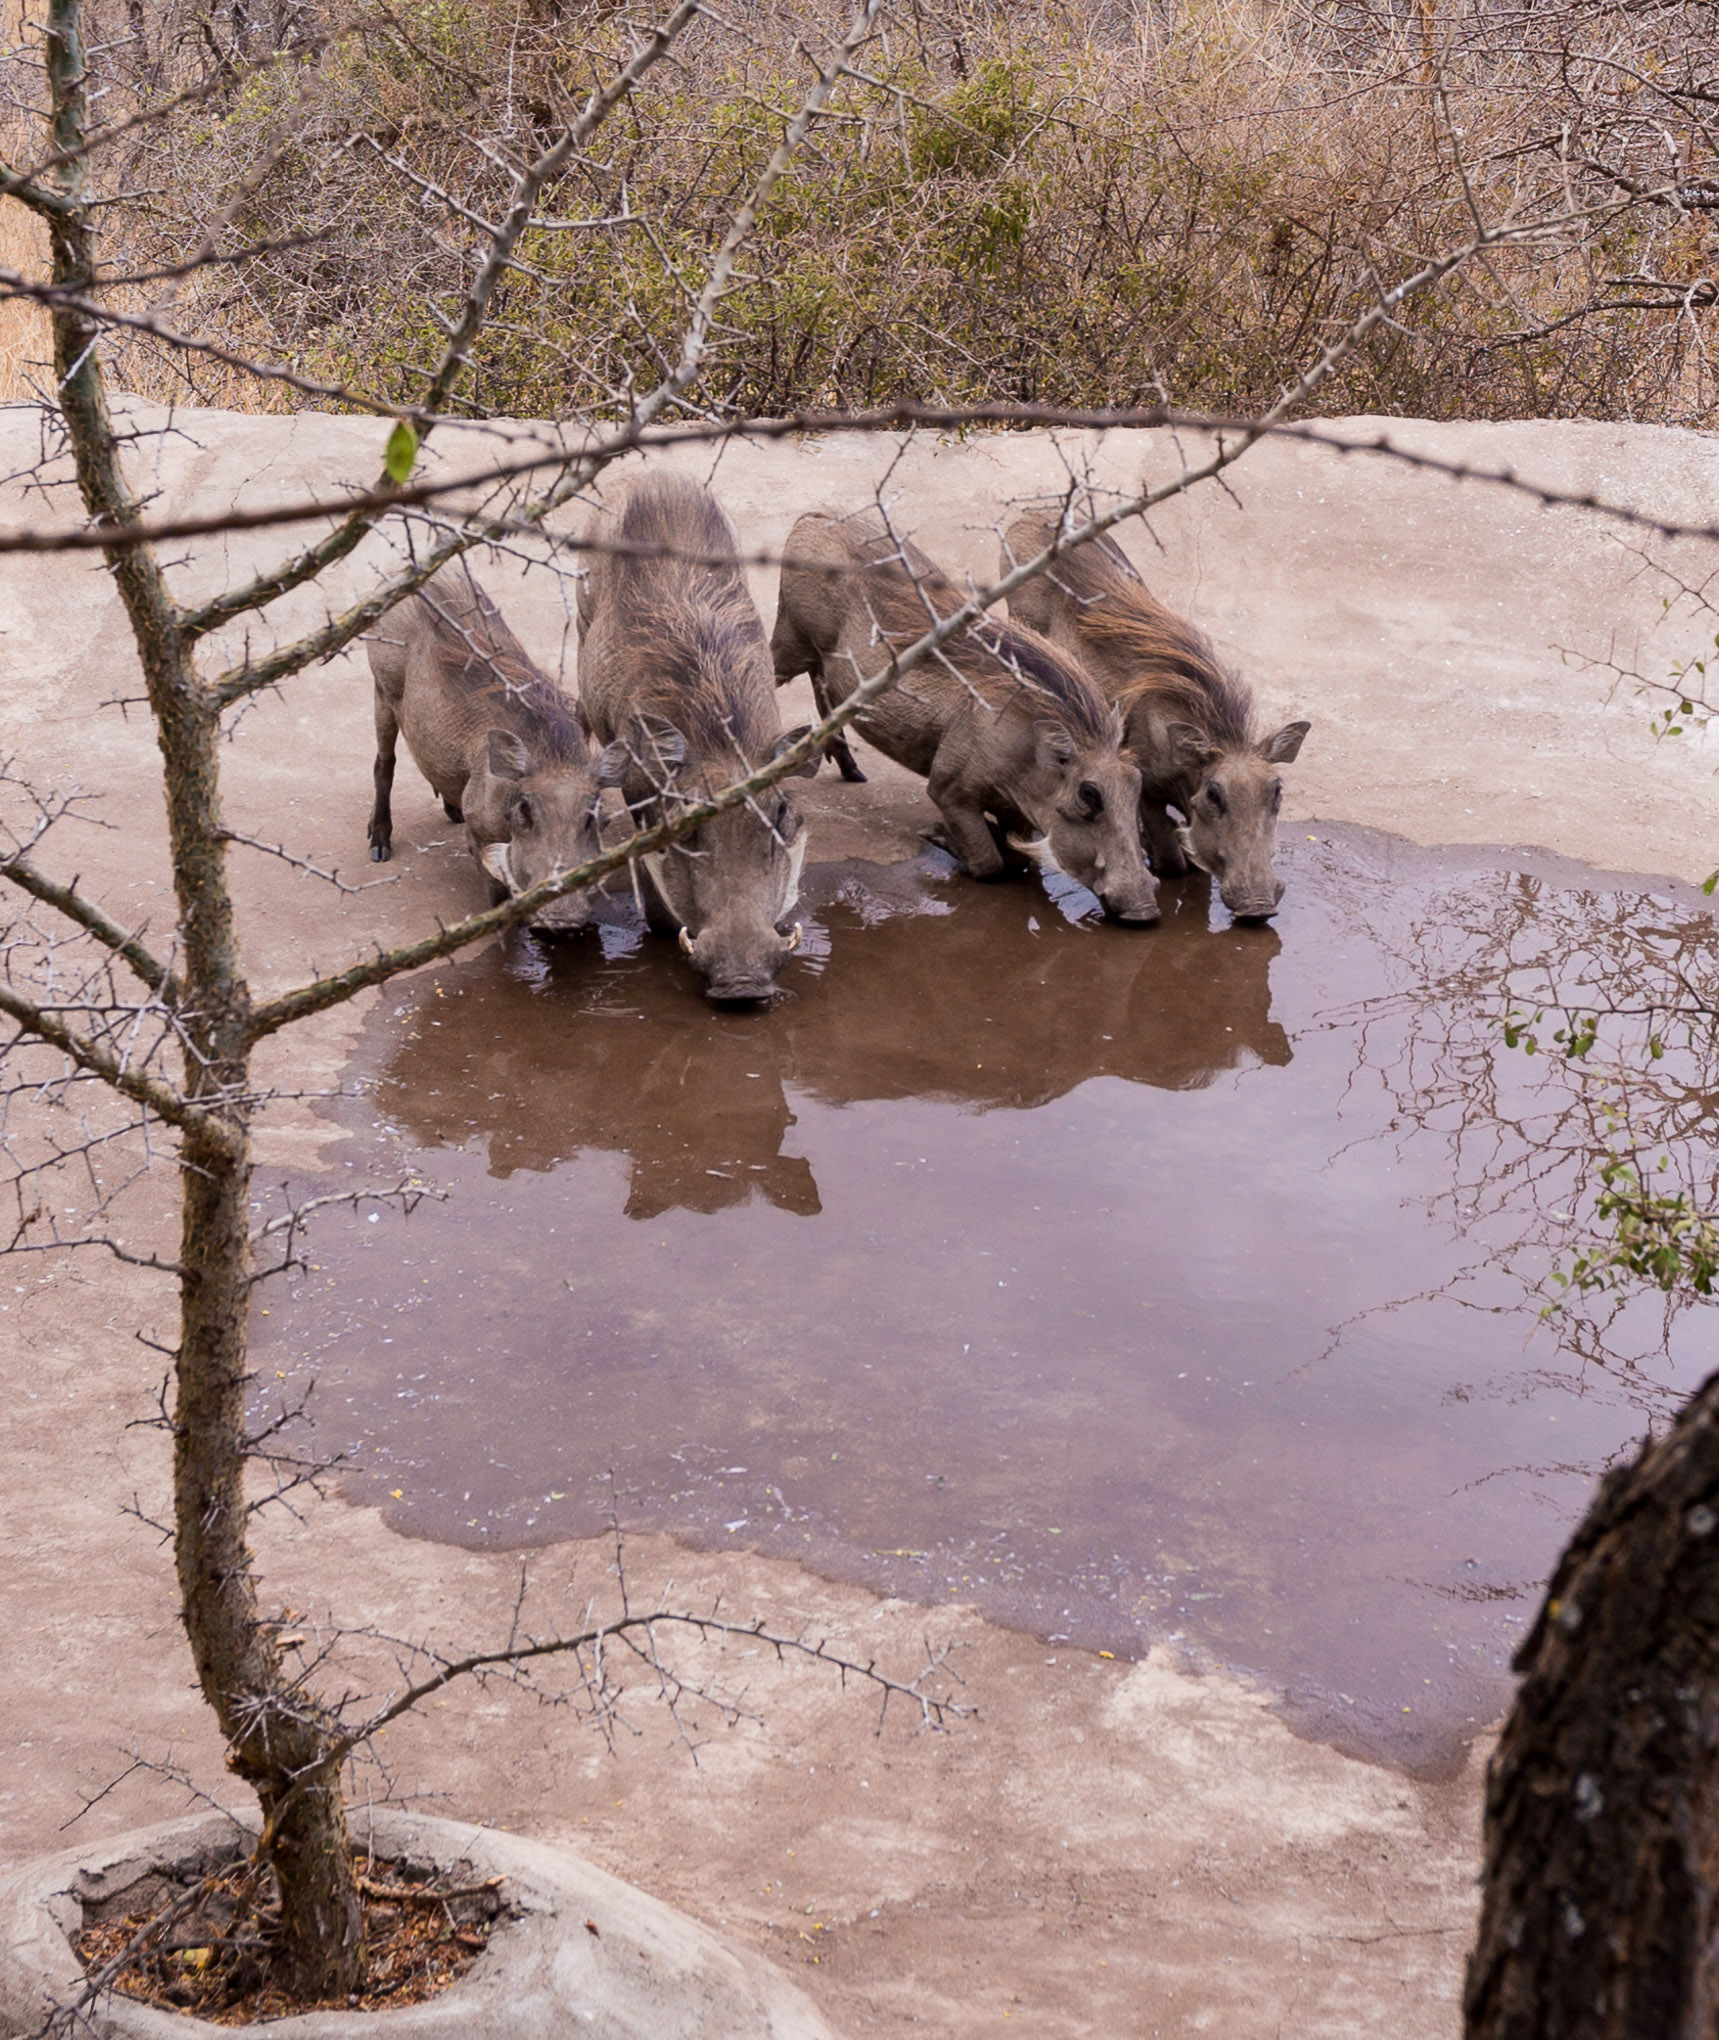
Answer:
[(24, 341), (1025, 202)]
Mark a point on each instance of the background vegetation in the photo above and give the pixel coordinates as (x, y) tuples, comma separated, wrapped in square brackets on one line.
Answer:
[(1098, 207)]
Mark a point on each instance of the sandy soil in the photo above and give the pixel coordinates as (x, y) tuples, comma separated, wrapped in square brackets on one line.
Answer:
[(1106, 1847)]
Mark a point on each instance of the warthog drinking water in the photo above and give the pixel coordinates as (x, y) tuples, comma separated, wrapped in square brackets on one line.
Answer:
[(505, 749), (1000, 722), (1190, 723), (674, 670)]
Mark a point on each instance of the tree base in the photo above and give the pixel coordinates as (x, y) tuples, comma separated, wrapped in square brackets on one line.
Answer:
[(580, 1951)]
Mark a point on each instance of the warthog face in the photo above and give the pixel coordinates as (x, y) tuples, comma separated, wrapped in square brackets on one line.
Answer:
[(1091, 821), (733, 882), (540, 818), (1230, 825)]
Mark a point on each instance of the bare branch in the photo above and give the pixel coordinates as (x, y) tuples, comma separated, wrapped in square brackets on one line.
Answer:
[(100, 1062), (88, 916), (887, 418), (518, 1650), (286, 856)]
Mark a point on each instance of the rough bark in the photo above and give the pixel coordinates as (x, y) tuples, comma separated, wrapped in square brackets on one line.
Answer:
[(1602, 1810), (279, 1741)]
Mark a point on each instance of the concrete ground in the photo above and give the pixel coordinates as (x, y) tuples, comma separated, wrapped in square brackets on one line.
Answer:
[(1106, 1847)]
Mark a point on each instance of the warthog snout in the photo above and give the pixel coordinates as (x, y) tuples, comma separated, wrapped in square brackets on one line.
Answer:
[(739, 966), (1252, 892), (1252, 902), (564, 916), (1141, 908)]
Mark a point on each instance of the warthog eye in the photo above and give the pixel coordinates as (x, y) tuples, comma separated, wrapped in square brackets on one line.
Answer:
[(1215, 797), (1091, 799), (524, 813), (1277, 796)]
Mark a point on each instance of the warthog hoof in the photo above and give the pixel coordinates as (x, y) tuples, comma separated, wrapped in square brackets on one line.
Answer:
[(453, 813), (380, 853)]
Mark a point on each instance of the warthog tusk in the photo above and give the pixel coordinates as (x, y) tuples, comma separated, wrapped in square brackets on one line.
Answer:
[(1037, 850), (686, 941), (794, 939), (796, 858)]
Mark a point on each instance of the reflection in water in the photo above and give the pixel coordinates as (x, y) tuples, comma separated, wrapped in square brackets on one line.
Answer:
[(559, 1053), (1525, 1134), (1019, 1261)]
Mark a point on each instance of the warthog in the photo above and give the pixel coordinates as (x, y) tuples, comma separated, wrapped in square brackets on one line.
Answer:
[(504, 748), (1190, 722), (675, 671), (1001, 723)]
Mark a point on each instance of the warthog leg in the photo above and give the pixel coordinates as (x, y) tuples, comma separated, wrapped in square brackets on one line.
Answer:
[(968, 836), (792, 653), (382, 814), (837, 748)]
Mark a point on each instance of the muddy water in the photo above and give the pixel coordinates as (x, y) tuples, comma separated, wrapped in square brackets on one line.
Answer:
[(1139, 1286)]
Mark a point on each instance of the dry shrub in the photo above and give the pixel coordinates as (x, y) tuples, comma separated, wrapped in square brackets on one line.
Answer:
[(1026, 203)]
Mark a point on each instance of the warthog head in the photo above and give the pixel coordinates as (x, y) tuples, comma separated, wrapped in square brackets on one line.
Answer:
[(1088, 807), (531, 818), (1230, 818), (733, 882)]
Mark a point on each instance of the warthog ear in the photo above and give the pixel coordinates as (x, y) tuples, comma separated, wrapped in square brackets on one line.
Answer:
[(655, 742), (1053, 747), (1189, 746), (508, 757), (807, 767), (1282, 749), (612, 764)]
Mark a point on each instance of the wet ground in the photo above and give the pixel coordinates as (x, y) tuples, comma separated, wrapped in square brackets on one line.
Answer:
[(1134, 1285)]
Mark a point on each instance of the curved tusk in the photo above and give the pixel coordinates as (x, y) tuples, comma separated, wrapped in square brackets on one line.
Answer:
[(794, 939), (686, 941), (1037, 851)]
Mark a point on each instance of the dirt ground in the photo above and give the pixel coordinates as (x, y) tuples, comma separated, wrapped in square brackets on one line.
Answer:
[(1106, 1847)]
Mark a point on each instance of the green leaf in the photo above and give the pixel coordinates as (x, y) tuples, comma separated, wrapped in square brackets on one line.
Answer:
[(1709, 882), (402, 454)]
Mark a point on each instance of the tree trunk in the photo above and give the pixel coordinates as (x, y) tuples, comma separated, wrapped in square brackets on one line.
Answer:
[(279, 1738), (1602, 1805)]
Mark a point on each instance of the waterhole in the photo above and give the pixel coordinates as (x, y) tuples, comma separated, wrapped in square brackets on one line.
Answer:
[(1176, 1286)]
